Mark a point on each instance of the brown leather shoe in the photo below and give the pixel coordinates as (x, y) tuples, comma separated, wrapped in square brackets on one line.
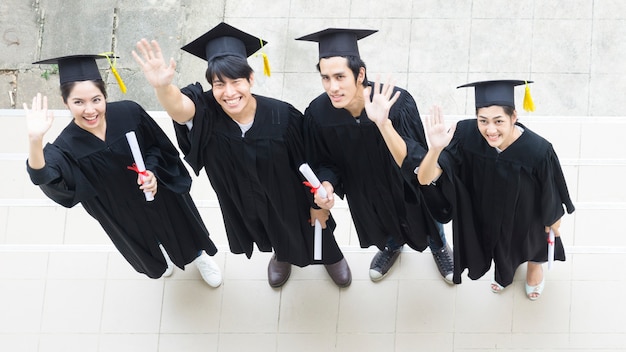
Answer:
[(278, 272), (340, 273)]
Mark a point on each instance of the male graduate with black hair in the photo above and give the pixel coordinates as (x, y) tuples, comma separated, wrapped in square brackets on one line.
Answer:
[(363, 140), (250, 147), (504, 187)]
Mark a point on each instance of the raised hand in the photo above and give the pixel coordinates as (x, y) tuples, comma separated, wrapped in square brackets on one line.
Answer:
[(438, 134), (38, 118), (378, 107), (157, 72)]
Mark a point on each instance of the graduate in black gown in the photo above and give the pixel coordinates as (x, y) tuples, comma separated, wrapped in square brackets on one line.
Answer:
[(502, 185), (89, 162), (250, 146), (364, 141)]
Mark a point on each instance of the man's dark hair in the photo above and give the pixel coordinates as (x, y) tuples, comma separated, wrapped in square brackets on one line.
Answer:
[(228, 66), (354, 64)]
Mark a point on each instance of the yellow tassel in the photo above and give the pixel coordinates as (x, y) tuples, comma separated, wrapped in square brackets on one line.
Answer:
[(266, 66), (266, 62), (119, 80), (117, 76), (529, 105)]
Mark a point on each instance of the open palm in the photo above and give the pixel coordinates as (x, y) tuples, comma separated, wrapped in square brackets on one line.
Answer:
[(38, 118), (378, 107), (157, 72), (439, 135)]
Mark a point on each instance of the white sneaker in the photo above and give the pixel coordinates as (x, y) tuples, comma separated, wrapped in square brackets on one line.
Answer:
[(209, 270), (170, 266)]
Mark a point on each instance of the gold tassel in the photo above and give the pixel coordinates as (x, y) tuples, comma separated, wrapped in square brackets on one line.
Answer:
[(529, 105), (266, 62), (117, 76), (266, 66), (119, 80)]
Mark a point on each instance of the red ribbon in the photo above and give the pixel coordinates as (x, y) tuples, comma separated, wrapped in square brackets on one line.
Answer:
[(550, 242), (136, 169), (313, 188)]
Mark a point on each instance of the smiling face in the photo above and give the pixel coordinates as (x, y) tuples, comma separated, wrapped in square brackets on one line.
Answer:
[(235, 96), (496, 126), (87, 104), (344, 90)]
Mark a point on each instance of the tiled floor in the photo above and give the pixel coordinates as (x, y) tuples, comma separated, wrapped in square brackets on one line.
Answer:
[(89, 299)]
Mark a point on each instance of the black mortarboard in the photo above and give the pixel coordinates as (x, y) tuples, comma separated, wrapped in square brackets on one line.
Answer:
[(498, 92), (74, 68), (222, 40), (338, 41)]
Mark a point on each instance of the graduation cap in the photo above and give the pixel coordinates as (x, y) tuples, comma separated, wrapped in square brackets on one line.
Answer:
[(73, 68), (338, 41), (223, 40), (499, 92)]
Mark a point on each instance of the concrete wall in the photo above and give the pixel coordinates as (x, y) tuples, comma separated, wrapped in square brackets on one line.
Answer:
[(572, 49)]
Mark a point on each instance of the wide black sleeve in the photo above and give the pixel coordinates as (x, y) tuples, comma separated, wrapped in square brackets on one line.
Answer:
[(192, 142), (294, 140), (60, 179), (406, 120), (160, 155), (441, 196), (318, 154), (554, 192)]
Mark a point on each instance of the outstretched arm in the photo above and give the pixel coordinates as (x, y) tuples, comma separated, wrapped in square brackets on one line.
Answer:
[(160, 76), (377, 109), (38, 122), (439, 136)]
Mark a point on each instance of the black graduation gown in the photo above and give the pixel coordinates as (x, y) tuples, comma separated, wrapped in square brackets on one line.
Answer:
[(256, 177), (81, 168), (501, 202), (351, 154)]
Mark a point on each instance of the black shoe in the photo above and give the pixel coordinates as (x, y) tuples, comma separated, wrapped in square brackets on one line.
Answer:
[(445, 263), (278, 272), (340, 273), (382, 262)]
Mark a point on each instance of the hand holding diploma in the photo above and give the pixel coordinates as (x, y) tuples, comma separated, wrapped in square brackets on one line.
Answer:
[(316, 188), (552, 232), (145, 178), (550, 249)]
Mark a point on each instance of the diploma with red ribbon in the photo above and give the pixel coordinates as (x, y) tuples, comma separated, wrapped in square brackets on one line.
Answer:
[(550, 249), (139, 166), (316, 187)]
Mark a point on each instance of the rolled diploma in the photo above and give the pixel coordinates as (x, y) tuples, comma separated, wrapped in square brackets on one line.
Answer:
[(550, 249), (305, 169), (134, 148)]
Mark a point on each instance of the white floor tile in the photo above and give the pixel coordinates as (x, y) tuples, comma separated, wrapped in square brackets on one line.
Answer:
[(73, 306), (132, 306)]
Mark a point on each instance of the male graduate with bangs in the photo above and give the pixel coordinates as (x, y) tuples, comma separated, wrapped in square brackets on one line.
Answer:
[(250, 147)]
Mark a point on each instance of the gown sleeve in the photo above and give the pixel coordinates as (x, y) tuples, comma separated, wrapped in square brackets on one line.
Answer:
[(161, 156), (295, 146), (442, 196), (554, 193), (451, 194), (192, 142), (60, 179), (406, 120), (318, 154)]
